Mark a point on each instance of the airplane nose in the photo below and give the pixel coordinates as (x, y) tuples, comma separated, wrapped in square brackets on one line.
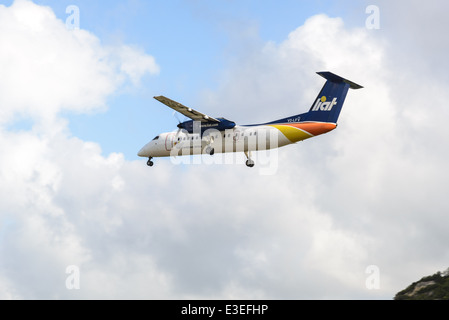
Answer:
[(140, 153), (143, 152)]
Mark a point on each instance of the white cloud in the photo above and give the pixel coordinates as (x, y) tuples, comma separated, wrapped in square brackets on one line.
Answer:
[(135, 63), (368, 193), (47, 67), (378, 179), (282, 76)]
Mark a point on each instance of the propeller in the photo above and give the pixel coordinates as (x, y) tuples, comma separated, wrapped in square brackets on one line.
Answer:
[(175, 114)]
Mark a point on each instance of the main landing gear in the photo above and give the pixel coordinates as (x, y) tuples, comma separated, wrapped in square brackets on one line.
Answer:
[(249, 163), (149, 162), (209, 150)]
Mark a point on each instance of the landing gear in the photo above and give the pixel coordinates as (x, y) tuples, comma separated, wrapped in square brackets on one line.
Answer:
[(210, 150), (249, 163), (149, 162)]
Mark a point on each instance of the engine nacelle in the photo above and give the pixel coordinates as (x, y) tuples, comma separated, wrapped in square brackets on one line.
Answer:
[(224, 124)]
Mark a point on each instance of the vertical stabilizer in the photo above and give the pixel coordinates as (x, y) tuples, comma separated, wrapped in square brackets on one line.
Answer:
[(327, 106)]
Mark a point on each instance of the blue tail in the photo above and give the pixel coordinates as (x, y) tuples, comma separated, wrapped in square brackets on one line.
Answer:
[(327, 106)]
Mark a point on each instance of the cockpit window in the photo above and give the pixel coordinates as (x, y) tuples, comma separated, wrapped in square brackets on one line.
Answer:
[(156, 138)]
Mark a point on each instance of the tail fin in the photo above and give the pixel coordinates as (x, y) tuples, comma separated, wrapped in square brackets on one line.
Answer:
[(328, 104)]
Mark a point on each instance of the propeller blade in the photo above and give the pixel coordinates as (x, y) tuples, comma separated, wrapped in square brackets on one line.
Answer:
[(175, 114)]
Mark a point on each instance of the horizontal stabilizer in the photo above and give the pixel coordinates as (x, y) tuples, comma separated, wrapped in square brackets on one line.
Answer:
[(337, 79)]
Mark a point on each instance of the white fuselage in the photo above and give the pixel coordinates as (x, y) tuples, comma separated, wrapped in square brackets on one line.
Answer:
[(238, 139)]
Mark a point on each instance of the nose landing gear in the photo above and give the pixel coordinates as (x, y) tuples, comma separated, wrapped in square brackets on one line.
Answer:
[(149, 162)]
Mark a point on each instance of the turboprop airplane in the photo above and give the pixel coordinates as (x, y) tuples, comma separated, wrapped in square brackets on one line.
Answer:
[(204, 134)]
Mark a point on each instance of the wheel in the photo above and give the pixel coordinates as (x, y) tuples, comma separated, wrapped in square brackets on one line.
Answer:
[(150, 163), (210, 150), (250, 163)]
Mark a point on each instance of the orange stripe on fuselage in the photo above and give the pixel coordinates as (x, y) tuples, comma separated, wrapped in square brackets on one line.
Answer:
[(315, 128), (304, 130)]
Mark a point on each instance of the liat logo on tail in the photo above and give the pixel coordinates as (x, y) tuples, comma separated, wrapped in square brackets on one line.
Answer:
[(322, 105)]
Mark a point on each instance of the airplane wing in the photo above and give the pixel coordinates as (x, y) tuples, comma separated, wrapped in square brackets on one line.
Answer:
[(188, 112)]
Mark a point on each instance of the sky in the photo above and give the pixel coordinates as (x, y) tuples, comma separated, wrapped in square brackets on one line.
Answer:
[(359, 213)]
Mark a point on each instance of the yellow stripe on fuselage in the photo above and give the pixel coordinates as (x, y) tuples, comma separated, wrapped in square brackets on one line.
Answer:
[(291, 133)]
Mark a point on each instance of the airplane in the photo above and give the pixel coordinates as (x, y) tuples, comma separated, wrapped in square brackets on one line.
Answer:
[(204, 134)]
